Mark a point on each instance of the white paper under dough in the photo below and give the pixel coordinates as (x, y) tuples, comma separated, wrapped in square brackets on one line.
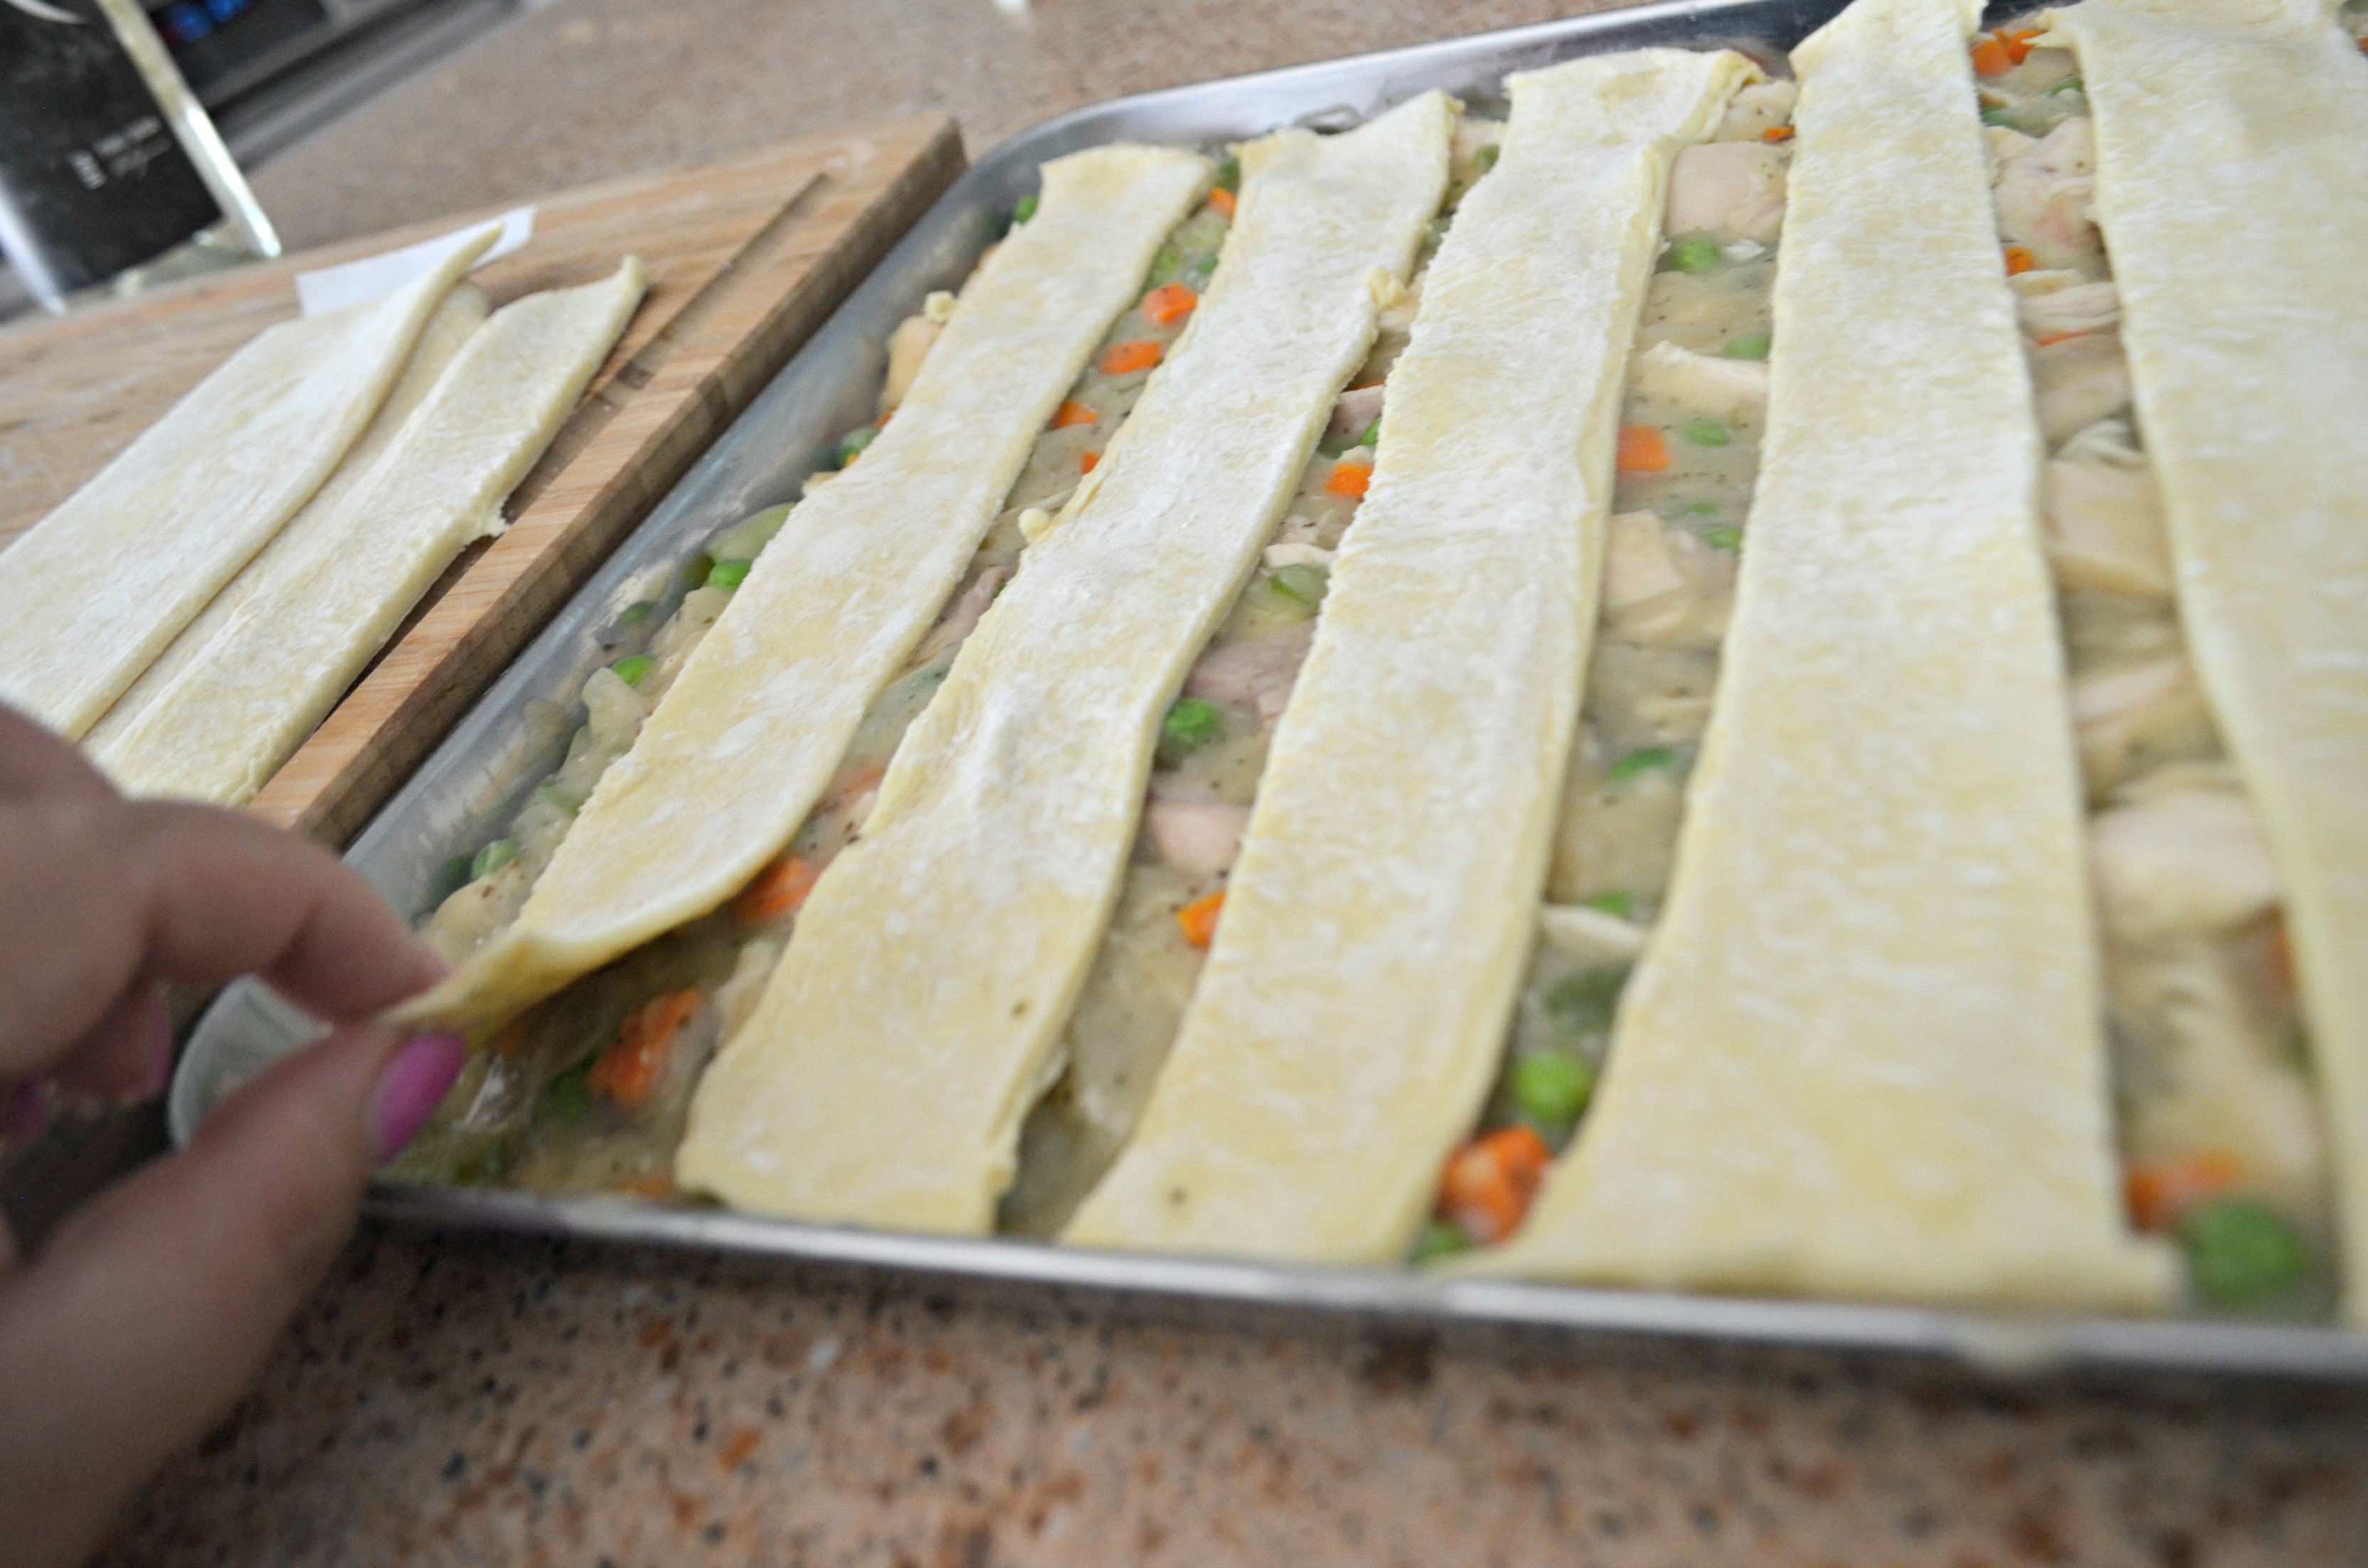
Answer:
[(1862, 1056), (749, 734), (2229, 140), (1350, 1017), (226, 723), (462, 312), (94, 592), (917, 1013)]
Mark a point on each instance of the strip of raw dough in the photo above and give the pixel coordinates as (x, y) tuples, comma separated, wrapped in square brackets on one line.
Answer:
[(1862, 1054), (462, 312), (918, 1011), (749, 735), (2229, 137), (227, 721), (1353, 1006), (94, 592)]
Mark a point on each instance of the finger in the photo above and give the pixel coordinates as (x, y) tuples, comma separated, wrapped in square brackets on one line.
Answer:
[(128, 1056), (139, 892), (34, 763), (137, 1327)]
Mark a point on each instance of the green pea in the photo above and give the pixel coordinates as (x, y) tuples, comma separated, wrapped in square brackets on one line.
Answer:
[(1636, 764), (1619, 904), (1439, 228), (728, 575), (2239, 1253), (1191, 725), (1440, 1238), (1750, 346), (1485, 159), (492, 859), (633, 670), (1724, 538), (1302, 585), (1372, 435), (1229, 174), (1702, 509), (1024, 208), (637, 612), (1704, 431), (1997, 117), (1696, 254), (1552, 1089), (454, 875), (568, 1097), (1166, 268), (553, 795), (851, 445), (694, 575), (1582, 1003)]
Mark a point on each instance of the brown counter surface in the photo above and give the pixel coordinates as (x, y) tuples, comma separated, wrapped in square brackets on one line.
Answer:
[(477, 1402)]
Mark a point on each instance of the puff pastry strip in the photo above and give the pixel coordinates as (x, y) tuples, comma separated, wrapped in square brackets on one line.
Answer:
[(94, 592), (915, 1016), (1349, 1018), (1862, 1054), (2229, 135), (222, 726), (747, 738)]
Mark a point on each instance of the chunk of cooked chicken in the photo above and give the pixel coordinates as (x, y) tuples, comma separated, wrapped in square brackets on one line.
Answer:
[(1758, 110), (1639, 697), (2044, 189), (1730, 190), (2078, 381), (1357, 408), (2105, 526), (960, 617), (2183, 861), (1255, 676), (1590, 937), (1615, 835), (2064, 305), (1732, 391), (907, 346), (1662, 587), (2129, 721), (1200, 837)]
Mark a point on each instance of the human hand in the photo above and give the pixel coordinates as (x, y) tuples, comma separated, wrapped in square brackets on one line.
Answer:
[(145, 1316)]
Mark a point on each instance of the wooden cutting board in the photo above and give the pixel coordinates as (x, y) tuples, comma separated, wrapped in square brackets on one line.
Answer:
[(746, 259)]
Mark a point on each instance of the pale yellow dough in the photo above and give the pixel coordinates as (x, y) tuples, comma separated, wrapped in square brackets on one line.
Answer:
[(747, 737), (94, 592), (2229, 139), (1862, 1056), (462, 312), (224, 725), (918, 1011), (1349, 1018)]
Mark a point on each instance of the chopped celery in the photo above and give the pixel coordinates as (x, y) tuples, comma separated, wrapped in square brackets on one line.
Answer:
[(2239, 1253), (1440, 1238), (1302, 585), (1696, 254), (1702, 509), (1166, 268), (635, 670), (851, 445), (1229, 174), (1750, 346), (1372, 435), (1619, 904), (1724, 538), (1190, 725), (1638, 763), (492, 859), (1485, 158), (728, 575), (746, 540), (637, 612)]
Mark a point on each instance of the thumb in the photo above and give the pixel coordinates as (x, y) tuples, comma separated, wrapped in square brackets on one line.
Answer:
[(148, 1312)]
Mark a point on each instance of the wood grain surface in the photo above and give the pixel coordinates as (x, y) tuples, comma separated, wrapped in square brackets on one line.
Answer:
[(746, 259)]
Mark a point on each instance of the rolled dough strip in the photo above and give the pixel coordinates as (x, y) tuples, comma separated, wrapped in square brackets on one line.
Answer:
[(1862, 1056), (749, 735), (2228, 144), (226, 722), (94, 592), (1350, 1015), (915, 1014), (462, 312)]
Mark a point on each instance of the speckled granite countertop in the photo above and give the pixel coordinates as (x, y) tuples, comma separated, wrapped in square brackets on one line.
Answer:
[(469, 1401)]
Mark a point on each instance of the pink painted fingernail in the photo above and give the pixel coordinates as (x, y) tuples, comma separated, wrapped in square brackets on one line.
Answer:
[(413, 1085)]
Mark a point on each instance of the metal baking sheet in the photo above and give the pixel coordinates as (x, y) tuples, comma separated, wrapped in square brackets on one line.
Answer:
[(517, 731)]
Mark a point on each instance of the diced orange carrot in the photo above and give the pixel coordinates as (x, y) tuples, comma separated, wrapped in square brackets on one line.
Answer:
[(653, 1186), (2162, 1191), (780, 889), (1088, 462), (1169, 303), (2017, 43), (2019, 260), (1199, 919), (1777, 133), (1991, 56), (1126, 358), (1643, 449), (1072, 412), (1223, 201), (1488, 1184), (628, 1071), (2054, 338), (1350, 479)]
